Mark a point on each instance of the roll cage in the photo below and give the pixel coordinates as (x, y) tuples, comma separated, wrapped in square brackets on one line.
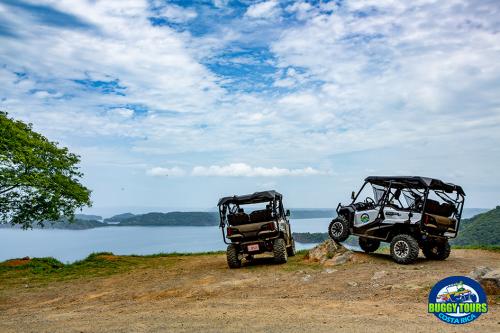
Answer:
[(416, 191), (232, 204)]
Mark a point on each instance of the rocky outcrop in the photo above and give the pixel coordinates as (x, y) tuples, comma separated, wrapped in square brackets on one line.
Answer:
[(488, 278), (330, 253)]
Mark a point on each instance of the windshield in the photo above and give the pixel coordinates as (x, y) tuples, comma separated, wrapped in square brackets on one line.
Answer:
[(378, 193)]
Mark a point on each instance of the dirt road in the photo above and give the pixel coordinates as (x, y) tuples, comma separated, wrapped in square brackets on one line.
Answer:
[(200, 294)]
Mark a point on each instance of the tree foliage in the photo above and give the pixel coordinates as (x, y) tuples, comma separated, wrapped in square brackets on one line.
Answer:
[(39, 181)]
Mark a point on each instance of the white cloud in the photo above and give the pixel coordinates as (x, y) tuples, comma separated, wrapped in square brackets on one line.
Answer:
[(121, 112), (263, 10), (301, 9), (159, 171), (177, 14), (235, 170)]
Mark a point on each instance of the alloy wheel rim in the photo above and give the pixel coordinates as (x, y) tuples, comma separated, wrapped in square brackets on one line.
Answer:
[(401, 249), (337, 229)]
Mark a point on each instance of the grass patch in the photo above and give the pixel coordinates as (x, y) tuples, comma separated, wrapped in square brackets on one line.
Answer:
[(39, 271), (178, 254)]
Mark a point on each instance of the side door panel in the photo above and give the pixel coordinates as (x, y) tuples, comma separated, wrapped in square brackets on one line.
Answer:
[(393, 216), (365, 217)]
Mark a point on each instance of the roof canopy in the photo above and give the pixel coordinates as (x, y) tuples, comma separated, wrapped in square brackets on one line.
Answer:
[(415, 182), (250, 198)]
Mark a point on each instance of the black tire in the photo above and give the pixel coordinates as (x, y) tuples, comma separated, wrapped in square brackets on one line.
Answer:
[(437, 251), (368, 245), (233, 260), (279, 251), (291, 249), (404, 249), (339, 229)]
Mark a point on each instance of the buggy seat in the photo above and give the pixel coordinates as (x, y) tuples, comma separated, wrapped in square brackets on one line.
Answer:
[(434, 207), (238, 219), (441, 215), (264, 215), (250, 227)]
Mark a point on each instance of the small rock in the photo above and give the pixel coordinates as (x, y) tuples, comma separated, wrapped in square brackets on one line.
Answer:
[(378, 275), (306, 278), (343, 258), (491, 282), (352, 284), (479, 272), (329, 271)]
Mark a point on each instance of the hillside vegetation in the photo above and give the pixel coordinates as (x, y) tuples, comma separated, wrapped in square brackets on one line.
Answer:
[(482, 229), (119, 217), (172, 219)]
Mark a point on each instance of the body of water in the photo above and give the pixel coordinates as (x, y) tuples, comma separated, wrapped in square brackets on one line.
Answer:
[(71, 245)]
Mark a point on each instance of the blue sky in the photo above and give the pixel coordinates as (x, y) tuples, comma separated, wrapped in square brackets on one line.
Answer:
[(172, 104)]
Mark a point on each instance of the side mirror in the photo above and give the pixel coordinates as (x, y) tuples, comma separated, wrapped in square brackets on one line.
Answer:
[(287, 212), (353, 195)]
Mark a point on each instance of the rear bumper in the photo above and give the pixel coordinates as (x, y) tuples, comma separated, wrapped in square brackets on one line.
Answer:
[(257, 237)]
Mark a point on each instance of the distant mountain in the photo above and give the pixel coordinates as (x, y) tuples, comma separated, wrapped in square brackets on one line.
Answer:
[(173, 219), (119, 217), (482, 229), (77, 224), (88, 217), (310, 237)]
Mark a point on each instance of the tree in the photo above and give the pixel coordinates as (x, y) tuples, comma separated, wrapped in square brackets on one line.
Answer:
[(39, 181)]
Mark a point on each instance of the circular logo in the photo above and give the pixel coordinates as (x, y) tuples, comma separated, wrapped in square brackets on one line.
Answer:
[(365, 218), (457, 300)]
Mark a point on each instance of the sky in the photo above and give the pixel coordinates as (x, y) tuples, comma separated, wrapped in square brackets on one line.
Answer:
[(173, 104)]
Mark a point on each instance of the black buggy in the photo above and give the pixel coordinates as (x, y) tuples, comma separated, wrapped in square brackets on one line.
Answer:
[(407, 212), (265, 229)]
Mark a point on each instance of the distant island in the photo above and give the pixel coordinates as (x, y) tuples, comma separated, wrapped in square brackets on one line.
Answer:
[(310, 237)]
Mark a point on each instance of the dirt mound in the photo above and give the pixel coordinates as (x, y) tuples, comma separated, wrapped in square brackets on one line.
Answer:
[(330, 253), (17, 262)]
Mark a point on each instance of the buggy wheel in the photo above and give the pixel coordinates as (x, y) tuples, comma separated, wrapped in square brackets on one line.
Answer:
[(279, 251), (291, 249), (232, 255), (339, 229), (437, 251), (368, 245), (404, 249)]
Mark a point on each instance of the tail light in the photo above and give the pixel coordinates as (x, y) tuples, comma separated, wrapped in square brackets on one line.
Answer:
[(268, 226), (428, 219), (230, 231)]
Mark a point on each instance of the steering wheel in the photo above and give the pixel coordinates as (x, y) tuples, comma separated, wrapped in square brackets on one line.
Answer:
[(369, 200)]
